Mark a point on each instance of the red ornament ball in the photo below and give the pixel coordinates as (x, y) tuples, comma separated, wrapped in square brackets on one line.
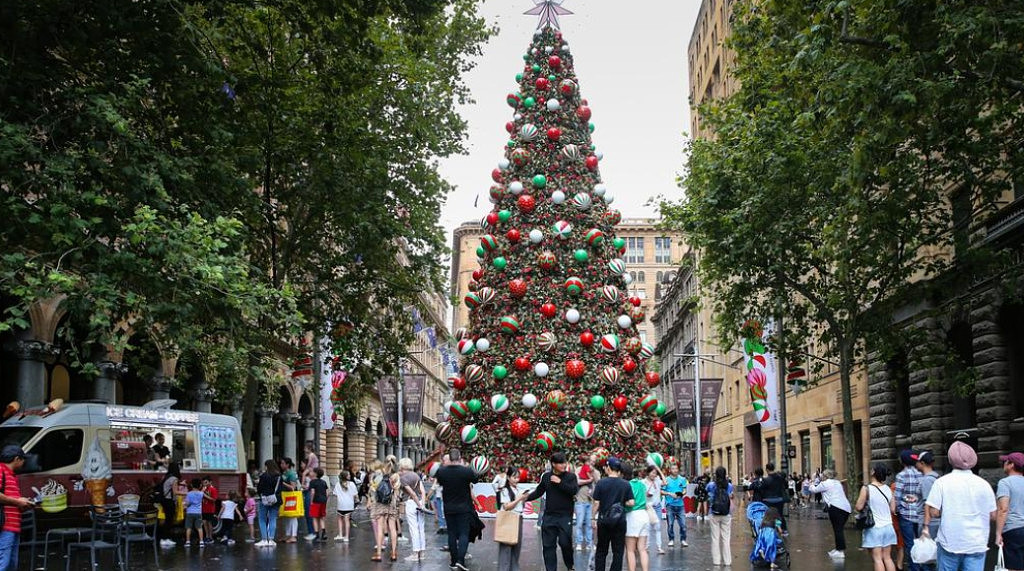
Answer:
[(635, 300), (620, 403), (554, 133), (546, 260), (554, 62), (459, 384), (591, 162), (492, 218), (587, 338), (513, 235), (543, 83), (658, 426), (496, 175), (478, 274), (519, 428), (509, 126), (575, 368), (548, 310), (583, 112), (653, 379), (521, 364), (526, 203), (628, 365), (524, 475), (517, 287)]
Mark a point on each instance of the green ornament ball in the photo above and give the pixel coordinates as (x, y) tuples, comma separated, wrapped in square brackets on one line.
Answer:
[(619, 243), (474, 405), (504, 215), (540, 181), (661, 409), (552, 78), (526, 57), (519, 77), (511, 143), (529, 102), (591, 127), (499, 263), (499, 372), (581, 256), (535, 68), (597, 402), (480, 251)]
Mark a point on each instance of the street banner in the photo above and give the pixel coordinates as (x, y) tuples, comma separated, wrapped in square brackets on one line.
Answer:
[(761, 372), (387, 389), (710, 389), (412, 403), (686, 421)]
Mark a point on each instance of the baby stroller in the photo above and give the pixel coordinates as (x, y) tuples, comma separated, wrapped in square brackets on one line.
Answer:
[(769, 544)]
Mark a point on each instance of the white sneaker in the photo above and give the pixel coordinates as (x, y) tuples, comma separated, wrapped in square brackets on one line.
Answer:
[(684, 544), (836, 554), (671, 543), (579, 548), (310, 537), (339, 538)]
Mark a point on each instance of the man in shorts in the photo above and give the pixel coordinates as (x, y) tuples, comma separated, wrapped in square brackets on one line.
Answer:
[(209, 508)]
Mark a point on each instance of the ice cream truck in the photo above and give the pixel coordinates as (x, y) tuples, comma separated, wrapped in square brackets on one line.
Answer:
[(83, 454)]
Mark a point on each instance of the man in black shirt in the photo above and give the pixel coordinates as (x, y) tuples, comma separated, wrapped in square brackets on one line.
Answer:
[(609, 491), (775, 492), (561, 487), (456, 480), (163, 454)]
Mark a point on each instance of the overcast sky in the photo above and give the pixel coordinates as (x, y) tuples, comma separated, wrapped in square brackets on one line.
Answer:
[(630, 60)]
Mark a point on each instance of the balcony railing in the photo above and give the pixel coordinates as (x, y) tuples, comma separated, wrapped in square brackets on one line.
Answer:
[(1005, 222)]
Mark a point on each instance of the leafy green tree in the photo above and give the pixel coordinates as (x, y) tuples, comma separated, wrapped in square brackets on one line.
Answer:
[(835, 175)]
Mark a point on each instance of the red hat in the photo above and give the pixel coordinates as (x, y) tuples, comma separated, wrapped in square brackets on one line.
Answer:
[(1016, 458)]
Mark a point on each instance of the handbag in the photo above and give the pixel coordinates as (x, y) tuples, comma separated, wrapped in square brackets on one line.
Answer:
[(506, 527), (866, 519), (1000, 563), (271, 499), (292, 504), (652, 516)]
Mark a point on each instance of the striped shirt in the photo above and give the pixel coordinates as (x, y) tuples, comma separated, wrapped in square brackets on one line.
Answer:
[(12, 515)]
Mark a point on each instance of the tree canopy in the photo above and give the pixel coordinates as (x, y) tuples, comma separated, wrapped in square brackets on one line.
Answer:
[(230, 169), (860, 131)]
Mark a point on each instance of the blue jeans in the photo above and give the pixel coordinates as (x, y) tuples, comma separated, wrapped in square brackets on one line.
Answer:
[(583, 530), (458, 536), (910, 531), (307, 498), (675, 514), (960, 562), (268, 521), (8, 551), (439, 508)]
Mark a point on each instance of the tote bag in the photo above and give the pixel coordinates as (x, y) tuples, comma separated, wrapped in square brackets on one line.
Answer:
[(291, 505), (506, 527)]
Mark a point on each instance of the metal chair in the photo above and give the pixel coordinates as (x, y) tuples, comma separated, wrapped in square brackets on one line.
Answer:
[(62, 535), (140, 527), (107, 528), (28, 534)]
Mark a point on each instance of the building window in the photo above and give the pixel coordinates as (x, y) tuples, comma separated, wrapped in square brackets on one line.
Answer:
[(740, 468), (772, 452), (827, 460), (635, 250), (641, 292), (805, 452), (643, 337), (900, 381), (657, 291), (641, 277), (662, 251), (1010, 316)]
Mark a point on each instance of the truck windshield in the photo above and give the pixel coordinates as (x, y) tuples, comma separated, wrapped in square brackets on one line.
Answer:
[(16, 435)]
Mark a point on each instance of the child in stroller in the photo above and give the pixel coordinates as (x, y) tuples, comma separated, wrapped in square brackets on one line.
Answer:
[(769, 546)]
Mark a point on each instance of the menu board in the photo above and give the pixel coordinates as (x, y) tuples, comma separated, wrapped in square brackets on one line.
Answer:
[(217, 448)]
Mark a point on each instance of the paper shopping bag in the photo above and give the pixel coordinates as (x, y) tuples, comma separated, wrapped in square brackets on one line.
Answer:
[(179, 513), (506, 527), (291, 505)]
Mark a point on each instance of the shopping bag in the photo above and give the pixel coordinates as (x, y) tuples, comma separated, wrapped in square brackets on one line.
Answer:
[(924, 550), (179, 514), (506, 527), (1000, 564), (160, 513), (291, 505)]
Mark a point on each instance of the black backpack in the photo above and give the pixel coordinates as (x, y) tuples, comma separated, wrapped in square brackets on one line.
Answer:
[(721, 504), (384, 491), (615, 515)]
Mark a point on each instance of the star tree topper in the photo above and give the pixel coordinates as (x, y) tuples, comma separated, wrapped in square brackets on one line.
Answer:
[(549, 11)]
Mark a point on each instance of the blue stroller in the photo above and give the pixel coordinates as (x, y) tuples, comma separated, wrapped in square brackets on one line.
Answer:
[(769, 546)]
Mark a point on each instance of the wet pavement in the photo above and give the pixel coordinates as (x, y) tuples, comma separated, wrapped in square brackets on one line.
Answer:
[(809, 541)]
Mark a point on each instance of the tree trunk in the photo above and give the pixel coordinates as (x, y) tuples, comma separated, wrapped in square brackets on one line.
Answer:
[(854, 475)]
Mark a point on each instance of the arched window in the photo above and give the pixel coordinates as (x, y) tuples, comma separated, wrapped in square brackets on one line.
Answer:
[(660, 277), (642, 279)]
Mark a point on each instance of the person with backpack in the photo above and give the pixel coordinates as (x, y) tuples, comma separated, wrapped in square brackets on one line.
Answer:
[(268, 491), (612, 496), (720, 498), (166, 494), (385, 511)]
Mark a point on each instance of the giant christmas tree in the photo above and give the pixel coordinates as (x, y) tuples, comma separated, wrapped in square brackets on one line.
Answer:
[(552, 359)]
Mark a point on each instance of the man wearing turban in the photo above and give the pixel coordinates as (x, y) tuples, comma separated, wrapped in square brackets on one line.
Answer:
[(967, 505)]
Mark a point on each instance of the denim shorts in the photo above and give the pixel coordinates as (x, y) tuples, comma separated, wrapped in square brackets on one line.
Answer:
[(879, 536), (1013, 548)]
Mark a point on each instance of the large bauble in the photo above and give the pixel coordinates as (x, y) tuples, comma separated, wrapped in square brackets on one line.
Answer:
[(481, 466), (459, 410), (466, 347), (657, 426), (483, 344), (499, 402), (469, 434), (649, 403), (472, 300), (600, 455), (521, 364), (529, 400), (459, 383), (474, 373), (546, 341), (624, 322), (510, 325), (557, 197), (541, 369), (574, 368), (546, 260), (515, 187), (527, 203), (549, 310), (586, 339), (610, 343), (519, 428), (625, 428), (629, 365), (597, 402), (595, 237), (528, 132), (545, 441), (499, 372), (667, 435), (653, 379), (517, 287), (513, 235), (633, 345), (561, 229), (536, 236), (620, 403), (574, 285), (573, 316), (443, 431), (486, 294), (646, 350), (660, 410), (520, 157), (584, 430), (555, 399), (610, 375), (610, 293), (655, 459), (474, 405)]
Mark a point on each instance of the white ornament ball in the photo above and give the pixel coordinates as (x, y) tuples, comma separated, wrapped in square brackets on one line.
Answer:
[(624, 321), (529, 400), (608, 199), (536, 236), (553, 105), (626, 278), (447, 405), (515, 187), (534, 51), (549, 49), (558, 197), (483, 344), (600, 189), (599, 155), (565, 48), (541, 369), (518, 116), (504, 164), (572, 316)]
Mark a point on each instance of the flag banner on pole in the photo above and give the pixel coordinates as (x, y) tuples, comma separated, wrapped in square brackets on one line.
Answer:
[(431, 337), (414, 387), (686, 420), (387, 389), (417, 321), (761, 375), (710, 390)]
